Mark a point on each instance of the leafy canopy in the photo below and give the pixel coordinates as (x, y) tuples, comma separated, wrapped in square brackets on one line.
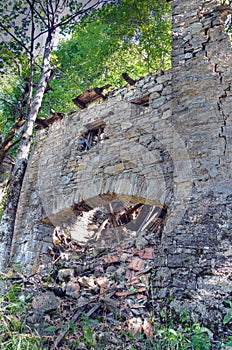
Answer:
[(25, 27), (132, 36)]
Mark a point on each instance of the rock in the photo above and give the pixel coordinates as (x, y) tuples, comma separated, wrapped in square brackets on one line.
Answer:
[(45, 302), (124, 257), (111, 269), (65, 274), (72, 289), (141, 243), (120, 273)]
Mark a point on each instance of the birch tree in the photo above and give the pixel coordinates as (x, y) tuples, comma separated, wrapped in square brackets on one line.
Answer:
[(30, 27)]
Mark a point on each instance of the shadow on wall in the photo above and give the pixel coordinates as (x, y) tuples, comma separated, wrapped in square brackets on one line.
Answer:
[(109, 224)]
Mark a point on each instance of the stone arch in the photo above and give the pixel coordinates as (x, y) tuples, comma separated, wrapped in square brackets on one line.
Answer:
[(142, 160), (109, 219)]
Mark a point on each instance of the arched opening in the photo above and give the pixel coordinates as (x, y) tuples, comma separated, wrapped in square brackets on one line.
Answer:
[(110, 224)]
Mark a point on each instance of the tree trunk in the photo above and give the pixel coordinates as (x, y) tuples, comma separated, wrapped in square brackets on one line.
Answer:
[(8, 143), (9, 215)]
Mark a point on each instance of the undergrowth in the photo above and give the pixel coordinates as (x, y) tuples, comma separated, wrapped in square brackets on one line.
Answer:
[(15, 334)]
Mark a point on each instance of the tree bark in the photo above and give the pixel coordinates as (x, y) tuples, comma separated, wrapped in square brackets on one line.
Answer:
[(9, 215), (8, 143)]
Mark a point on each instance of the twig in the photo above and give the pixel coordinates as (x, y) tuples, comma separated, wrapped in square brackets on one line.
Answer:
[(73, 319)]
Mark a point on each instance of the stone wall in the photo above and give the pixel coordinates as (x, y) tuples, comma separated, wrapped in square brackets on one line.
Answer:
[(201, 112), (131, 165), (167, 143)]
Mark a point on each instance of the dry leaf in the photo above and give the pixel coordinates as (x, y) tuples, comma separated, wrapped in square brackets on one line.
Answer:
[(134, 280), (123, 294), (103, 283), (109, 259), (142, 289), (145, 280), (130, 292), (147, 253), (141, 296), (136, 264), (87, 282), (136, 324), (147, 328)]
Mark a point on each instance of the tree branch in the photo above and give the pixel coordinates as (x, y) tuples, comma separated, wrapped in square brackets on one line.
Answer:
[(7, 143), (37, 12), (14, 37), (71, 17)]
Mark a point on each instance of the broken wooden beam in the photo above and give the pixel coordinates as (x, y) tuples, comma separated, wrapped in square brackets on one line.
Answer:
[(90, 95), (43, 123), (128, 79)]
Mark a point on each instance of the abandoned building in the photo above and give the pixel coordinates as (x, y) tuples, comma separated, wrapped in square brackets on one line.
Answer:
[(151, 158)]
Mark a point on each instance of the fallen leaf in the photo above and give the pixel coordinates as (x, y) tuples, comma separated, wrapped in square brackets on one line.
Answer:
[(103, 283), (87, 282), (130, 292), (123, 294), (145, 280), (109, 259), (136, 324), (136, 264), (141, 296), (146, 253), (134, 280), (147, 328), (140, 290), (128, 274)]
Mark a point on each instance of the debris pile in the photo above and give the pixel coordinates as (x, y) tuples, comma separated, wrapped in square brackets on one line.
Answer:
[(113, 286)]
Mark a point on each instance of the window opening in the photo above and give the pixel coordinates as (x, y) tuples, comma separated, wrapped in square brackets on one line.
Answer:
[(91, 138)]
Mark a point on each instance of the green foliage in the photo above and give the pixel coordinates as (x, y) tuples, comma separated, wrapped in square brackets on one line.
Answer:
[(168, 334), (126, 36), (3, 201), (181, 335), (87, 330), (22, 24), (14, 333), (228, 317), (10, 95)]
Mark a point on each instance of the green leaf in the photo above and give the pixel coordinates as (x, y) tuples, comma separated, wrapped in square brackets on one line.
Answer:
[(50, 329), (227, 317)]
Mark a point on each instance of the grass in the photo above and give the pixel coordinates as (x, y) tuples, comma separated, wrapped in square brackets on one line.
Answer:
[(15, 334)]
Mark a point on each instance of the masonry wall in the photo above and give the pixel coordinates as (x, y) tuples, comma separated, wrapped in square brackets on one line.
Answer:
[(127, 166), (201, 112), (176, 153)]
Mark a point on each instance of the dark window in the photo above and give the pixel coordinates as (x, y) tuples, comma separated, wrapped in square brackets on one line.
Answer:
[(91, 138)]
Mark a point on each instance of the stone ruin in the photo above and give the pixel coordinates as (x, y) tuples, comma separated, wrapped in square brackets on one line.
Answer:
[(160, 151)]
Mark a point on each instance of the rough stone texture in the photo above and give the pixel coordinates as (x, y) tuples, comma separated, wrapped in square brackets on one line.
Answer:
[(45, 302), (176, 152), (61, 176)]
